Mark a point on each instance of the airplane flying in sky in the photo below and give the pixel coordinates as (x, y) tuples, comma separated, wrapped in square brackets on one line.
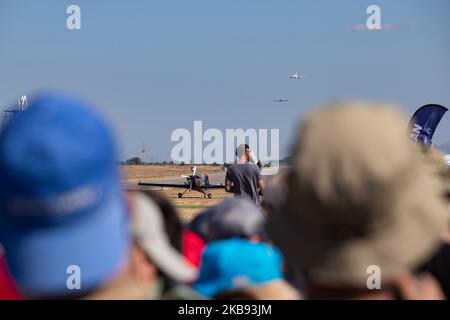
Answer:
[(280, 100), (297, 76)]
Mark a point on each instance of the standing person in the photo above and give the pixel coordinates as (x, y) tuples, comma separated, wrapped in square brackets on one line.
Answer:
[(244, 179)]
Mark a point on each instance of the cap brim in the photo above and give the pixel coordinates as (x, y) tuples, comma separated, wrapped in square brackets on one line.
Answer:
[(97, 243), (170, 261)]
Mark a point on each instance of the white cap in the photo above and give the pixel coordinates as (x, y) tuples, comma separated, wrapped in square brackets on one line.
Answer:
[(149, 233)]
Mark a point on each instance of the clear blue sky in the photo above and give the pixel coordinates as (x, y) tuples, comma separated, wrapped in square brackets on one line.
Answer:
[(153, 66)]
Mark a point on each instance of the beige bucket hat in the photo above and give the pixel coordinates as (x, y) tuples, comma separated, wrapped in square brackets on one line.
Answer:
[(359, 194)]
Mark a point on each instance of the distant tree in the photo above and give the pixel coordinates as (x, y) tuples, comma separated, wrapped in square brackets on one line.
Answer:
[(134, 161)]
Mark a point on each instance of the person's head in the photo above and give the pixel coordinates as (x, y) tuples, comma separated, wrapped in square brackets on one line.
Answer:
[(154, 236), (243, 153), (360, 197), (233, 217), (241, 269), (63, 222)]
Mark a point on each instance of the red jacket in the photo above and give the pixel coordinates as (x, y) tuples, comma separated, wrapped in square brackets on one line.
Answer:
[(193, 246), (8, 290)]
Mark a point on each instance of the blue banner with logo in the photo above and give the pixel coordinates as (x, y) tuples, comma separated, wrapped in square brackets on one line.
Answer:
[(424, 122)]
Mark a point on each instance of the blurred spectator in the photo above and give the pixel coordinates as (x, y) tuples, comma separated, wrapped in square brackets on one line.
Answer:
[(438, 164), (439, 267), (62, 217), (240, 269), (446, 179), (276, 189), (244, 179), (193, 246), (151, 237), (172, 224), (360, 196), (230, 218), (236, 217), (8, 289)]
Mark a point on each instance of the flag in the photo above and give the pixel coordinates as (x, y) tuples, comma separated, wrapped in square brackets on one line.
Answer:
[(424, 122)]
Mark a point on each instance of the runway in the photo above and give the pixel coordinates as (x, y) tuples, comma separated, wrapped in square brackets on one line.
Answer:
[(214, 178)]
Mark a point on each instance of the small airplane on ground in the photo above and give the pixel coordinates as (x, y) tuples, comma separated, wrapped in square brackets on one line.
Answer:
[(195, 182), (296, 76), (280, 100)]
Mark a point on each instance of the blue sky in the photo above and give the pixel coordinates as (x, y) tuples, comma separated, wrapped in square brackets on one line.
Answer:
[(153, 66)]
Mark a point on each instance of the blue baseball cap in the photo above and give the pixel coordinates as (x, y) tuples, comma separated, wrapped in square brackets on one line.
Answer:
[(61, 210), (237, 263)]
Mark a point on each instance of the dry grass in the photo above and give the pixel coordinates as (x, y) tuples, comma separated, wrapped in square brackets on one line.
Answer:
[(164, 171), (193, 202)]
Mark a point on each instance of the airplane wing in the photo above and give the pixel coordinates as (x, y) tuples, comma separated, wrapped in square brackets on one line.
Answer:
[(168, 185), (175, 185), (213, 186)]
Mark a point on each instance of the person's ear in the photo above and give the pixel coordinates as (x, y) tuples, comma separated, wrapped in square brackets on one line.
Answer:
[(255, 238)]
